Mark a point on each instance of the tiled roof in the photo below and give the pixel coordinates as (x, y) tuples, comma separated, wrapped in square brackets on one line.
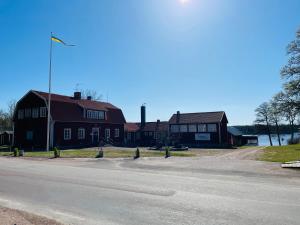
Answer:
[(202, 117), (89, 104), (149, 126), (131, 127), (67, 109)]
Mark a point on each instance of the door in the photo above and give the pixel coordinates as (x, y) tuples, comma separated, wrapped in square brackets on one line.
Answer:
[(107, 134), (95, 136)]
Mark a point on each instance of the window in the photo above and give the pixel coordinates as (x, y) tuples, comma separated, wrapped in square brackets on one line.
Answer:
[(98, 115), (67, 134), (81, 133), (107, 133), (174, 128), (29, 135), (212, 127), (43, 112), (21, 114), (183, 128), (150, 133), (192, 128), (27, 113), (35, 113), (146, 133), (117, 133), (202, 128)]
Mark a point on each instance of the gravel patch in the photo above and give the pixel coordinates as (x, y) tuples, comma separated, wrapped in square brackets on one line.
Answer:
[(17, 217)]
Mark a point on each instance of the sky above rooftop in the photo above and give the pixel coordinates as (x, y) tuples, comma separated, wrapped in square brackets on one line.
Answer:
[(203, 55)]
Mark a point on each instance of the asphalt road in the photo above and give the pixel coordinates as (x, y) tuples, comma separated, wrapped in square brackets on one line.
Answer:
[(153, 191)]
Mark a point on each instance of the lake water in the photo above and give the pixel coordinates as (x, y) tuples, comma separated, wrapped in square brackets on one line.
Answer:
[(263, 140)]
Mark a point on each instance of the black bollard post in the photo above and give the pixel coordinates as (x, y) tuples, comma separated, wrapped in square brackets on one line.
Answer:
[(137, 154)]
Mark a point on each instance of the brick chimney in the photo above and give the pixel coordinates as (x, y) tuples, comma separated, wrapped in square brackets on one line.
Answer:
[(77, 95), (143, 116), (178, 117)]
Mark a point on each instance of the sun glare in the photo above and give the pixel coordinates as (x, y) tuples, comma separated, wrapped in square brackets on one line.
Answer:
[(184, 1)]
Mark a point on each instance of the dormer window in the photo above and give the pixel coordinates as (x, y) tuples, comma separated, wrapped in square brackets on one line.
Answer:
[(96, 115)]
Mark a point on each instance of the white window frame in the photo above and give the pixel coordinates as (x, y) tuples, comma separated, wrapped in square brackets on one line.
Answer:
[(43, 111), (67, 134), (183, 128), (35, 112), (27, 113), (201, 126), (20, 114), (192, 128), (174, 128), (117, 132), (81, 133), (212, 128)]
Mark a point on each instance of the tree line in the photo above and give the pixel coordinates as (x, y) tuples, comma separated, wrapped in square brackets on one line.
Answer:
[(284, 107)]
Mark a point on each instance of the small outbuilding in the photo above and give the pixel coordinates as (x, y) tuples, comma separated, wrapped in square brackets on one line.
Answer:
[(237, 138), (6, 138)]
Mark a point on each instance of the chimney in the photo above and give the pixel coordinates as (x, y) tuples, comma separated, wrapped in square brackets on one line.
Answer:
[(89, 98), (178, 117), (143, 116), (77, 95)]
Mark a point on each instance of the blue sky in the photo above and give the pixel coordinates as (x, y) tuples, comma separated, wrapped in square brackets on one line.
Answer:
[(205, 55)]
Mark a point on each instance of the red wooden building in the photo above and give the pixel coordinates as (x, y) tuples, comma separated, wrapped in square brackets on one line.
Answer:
[(75, 122), (206, 129)]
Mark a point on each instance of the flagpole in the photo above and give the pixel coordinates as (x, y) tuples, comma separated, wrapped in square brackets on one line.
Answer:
[(49, 97)]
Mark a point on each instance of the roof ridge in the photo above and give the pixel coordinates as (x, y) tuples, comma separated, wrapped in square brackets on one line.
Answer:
[(201, 112)]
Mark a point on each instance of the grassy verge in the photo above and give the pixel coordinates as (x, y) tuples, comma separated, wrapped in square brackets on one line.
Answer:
[(86, 153), (281, 153)]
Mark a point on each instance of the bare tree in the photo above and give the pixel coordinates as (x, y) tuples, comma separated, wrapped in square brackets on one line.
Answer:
[(263, 117), (289, 110), (92, 93), (11, 106), (291, 72), (276, 114)]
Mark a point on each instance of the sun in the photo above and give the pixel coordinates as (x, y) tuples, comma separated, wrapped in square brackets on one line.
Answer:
[(184, 1)]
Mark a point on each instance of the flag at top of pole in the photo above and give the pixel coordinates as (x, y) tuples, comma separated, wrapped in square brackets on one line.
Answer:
[(49, 139), (53, 38)]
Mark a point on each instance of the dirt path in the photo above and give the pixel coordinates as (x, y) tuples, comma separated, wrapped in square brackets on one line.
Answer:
[(12, 216), (242, 154)]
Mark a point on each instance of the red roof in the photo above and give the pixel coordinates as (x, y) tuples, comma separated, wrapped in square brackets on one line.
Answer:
[(66, 108), (131, 127), (149, 126)]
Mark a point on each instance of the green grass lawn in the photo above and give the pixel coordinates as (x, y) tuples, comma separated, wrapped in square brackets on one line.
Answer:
[(281, 153), (108, 153)]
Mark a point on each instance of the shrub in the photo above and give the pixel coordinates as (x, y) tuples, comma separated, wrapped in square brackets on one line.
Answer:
[(137, 153), (168, 154), (21, 153), (100, 154), (56, 152), (294, 141), (16, 152)]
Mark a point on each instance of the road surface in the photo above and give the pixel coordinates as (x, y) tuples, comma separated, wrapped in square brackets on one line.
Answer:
[(208, 190)]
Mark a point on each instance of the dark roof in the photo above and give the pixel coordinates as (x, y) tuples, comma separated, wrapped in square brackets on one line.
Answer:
[(156, 126), (201, 117), (234, 131), (149, 126), (66, 108)]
